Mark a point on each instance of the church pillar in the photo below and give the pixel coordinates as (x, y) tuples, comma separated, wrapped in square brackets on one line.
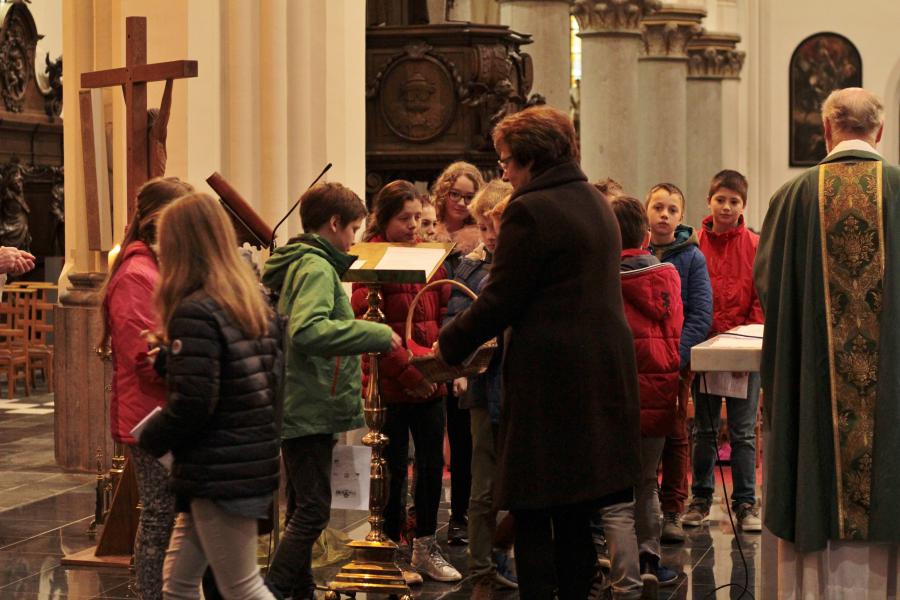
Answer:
[(81, 397), (610, 46), (548, 23), (273, 105), (662, 72), (712, 58)]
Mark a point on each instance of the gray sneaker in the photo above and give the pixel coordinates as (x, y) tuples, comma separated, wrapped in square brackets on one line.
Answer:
[(672, 531), (428, 559), (697, 513), (748, 517)]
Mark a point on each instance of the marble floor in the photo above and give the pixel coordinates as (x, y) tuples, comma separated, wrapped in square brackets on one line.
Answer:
[(45, 513)]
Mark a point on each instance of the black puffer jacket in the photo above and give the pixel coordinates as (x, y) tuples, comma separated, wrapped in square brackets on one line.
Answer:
[(220, 420)]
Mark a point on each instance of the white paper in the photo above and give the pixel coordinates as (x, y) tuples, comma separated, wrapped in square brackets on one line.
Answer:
[(410, 259), (727, 341), (350, 469), (724, 383), (358, 264), (166, 459)]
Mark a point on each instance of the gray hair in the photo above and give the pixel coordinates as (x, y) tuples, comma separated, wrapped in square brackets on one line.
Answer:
[(854, 110)]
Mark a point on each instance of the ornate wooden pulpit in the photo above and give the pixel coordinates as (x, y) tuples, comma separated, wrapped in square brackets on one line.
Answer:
[(435, 92), (31, 140)]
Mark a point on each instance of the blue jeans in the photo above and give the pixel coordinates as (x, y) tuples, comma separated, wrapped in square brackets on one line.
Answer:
[(741, 433)]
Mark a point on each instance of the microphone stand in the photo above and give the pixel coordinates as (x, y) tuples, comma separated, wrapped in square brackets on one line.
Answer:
[(292, 208)]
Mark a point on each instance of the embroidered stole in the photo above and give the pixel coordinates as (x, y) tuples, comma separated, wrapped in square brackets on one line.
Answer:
[(852, 231)]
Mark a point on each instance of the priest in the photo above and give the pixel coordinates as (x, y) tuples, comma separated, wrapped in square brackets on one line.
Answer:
[(828, 276)]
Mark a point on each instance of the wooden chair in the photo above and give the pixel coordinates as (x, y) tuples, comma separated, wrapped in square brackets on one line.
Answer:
[(40, 332), (14, 358)]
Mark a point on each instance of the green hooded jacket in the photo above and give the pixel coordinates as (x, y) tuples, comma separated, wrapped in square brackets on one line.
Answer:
[(323, 381)]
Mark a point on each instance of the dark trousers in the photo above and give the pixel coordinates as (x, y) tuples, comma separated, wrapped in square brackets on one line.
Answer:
[(564, 534), (307, 462), (676, 457), (459, 433), (425, 421)]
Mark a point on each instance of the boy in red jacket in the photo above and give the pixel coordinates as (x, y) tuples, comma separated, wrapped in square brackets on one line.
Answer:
[(651, 291), (729, 248)]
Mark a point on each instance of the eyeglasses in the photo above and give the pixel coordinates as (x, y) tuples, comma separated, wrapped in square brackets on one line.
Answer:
[(504, 161), (456, 196)]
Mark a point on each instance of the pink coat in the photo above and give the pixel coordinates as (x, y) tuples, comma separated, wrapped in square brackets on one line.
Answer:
[(136, 387)]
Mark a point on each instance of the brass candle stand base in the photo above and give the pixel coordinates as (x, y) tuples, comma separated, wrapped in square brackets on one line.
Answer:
[(373, 568)]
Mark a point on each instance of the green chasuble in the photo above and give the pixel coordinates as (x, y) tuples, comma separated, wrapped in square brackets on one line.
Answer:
[(831, 353)]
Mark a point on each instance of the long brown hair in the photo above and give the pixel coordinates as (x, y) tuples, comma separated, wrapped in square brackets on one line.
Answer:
[(152, 197), (388, 202), (198, 251)]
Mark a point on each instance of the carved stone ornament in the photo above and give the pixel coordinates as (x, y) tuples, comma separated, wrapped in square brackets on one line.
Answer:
[(417, 91), (667, 32), (714, 56), (620, 16), (17, 48), (54, 96)]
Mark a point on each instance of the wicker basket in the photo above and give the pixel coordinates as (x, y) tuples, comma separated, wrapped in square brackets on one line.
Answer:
[(433, 369)]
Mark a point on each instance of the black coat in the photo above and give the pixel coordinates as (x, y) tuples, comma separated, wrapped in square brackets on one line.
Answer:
[(570, 422), (220, 419)]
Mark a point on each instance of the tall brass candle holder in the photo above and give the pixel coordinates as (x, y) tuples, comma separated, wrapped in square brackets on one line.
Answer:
[(373, 567)]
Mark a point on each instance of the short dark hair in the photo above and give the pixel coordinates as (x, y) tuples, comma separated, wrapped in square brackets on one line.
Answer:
[(327, 200), (632, 217), (540, 135), (388, 203), (671, 188), (731, 180)]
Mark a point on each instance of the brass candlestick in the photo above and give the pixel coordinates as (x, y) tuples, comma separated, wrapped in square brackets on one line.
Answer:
[(373, 568)]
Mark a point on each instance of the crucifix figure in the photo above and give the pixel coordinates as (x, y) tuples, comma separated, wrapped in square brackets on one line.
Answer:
[(146, 147)]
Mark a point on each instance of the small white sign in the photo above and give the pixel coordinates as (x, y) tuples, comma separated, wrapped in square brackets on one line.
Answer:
[(350, 477), (724, 383)]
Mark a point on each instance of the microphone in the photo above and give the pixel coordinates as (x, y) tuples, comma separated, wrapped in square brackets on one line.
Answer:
[(284, 218)]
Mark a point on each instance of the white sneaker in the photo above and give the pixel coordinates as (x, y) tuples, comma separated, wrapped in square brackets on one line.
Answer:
[(427, 559), (748, 518)]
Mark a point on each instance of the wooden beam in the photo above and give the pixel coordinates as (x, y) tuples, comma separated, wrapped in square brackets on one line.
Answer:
[(107, 78), (96, 173), (175, 69)]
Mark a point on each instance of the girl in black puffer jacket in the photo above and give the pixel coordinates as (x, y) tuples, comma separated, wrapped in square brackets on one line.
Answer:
[(223, 363)]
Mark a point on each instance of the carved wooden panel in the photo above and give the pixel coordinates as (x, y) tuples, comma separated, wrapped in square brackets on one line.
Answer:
[(31, 142), (435, 92)]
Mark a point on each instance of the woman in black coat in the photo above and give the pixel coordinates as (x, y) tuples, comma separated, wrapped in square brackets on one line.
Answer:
[(570, 420), (220, 423)]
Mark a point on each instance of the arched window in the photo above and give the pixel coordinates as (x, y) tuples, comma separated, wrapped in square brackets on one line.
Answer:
[(820, 64)]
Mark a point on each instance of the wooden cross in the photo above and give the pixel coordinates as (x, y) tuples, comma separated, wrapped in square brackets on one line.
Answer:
[(133, 78)]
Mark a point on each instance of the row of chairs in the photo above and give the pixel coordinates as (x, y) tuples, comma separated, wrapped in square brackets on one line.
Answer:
[(26, 334)]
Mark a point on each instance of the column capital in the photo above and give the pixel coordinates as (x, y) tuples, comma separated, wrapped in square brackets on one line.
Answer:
[(612, 16), (666, 32), (714, 55)]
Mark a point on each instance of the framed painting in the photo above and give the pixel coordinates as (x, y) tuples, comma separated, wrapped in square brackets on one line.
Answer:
[(820, 64)]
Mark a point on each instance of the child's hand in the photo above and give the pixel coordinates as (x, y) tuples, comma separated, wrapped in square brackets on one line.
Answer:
[(460, 385), (396, 341), (153, 340), (151, 355)]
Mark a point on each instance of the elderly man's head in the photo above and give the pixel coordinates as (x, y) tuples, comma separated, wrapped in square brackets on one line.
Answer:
[(852, 114)]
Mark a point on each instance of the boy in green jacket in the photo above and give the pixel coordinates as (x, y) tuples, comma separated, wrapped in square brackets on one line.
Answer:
[(323, 381)]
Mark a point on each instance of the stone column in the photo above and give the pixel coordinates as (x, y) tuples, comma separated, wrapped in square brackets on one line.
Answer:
[(662, 140), (610, 47), (548, 23), (80, 377), (712, 58)]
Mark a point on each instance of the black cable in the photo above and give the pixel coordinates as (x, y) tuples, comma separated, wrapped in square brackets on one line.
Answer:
[(742, 335), (745, 590)]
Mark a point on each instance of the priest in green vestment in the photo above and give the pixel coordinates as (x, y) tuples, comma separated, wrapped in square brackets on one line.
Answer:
[(827, 273)]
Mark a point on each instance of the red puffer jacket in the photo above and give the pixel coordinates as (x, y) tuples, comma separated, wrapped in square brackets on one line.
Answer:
[(397, 375), (652, 294), (729, 258), (136, 387)]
